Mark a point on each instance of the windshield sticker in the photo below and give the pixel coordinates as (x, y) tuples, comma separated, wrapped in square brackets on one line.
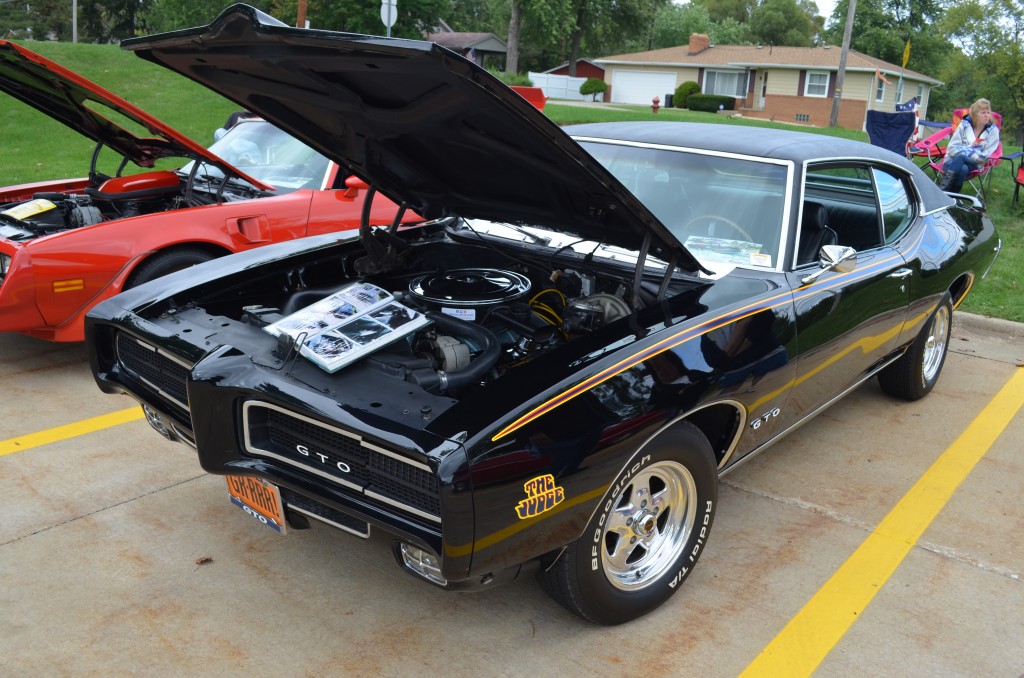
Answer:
[(541, 495), (723, 250)]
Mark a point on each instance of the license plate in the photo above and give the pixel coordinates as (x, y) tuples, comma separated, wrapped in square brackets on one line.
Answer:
[(259, 499)]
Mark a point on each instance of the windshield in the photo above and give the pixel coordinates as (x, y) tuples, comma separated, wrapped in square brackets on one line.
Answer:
[(266, 153), (725, 210)]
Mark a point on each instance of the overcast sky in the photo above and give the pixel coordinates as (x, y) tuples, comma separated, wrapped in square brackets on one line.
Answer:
[(825, 8)]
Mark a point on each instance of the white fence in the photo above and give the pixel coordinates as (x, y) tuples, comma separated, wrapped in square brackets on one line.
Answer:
[(561, 86)]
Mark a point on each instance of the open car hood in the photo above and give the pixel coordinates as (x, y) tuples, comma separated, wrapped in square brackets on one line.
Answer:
[(418, 122), (86, 108)]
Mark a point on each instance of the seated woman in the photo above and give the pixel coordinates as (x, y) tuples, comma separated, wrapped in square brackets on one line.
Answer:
[(972, 143)]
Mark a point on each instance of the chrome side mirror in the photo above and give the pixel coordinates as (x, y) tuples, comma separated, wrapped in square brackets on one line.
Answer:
[(834, 258)]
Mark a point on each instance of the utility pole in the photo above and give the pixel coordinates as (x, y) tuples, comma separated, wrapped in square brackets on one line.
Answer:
[(833, 119)]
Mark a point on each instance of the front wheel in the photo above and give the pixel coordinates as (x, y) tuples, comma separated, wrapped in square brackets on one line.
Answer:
[(914, 375), (646, 535), (164, 263)]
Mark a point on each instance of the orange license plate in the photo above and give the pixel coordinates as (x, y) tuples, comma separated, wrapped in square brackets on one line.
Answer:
[(259, 499)]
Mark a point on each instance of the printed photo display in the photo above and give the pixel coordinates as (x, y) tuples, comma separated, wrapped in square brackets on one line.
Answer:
[(355, 320)]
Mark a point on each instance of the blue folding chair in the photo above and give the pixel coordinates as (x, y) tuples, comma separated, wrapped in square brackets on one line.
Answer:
[(891, 131)]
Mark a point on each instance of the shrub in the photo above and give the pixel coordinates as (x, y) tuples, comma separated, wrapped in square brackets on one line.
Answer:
[(593, 87), (710, 102), (683, 93), (510, 79)]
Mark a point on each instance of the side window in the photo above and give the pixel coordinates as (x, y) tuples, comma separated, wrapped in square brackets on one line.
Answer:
[(893, 203), (848, 195)]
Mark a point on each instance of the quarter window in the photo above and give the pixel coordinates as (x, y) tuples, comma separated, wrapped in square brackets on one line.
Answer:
[(816, 84), (893, 203)]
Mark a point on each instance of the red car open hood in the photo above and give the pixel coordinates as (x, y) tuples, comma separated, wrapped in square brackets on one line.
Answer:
[(420, 123), (84, 106)]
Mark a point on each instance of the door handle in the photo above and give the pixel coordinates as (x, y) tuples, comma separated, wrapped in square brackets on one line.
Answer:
[(901, 273)]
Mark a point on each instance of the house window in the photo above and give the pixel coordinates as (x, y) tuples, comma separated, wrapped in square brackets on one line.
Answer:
[(726, 83), (899, 92), (879, 89), (817, 84)]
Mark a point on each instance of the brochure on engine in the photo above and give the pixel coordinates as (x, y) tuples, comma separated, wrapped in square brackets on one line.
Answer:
[(354, 321)]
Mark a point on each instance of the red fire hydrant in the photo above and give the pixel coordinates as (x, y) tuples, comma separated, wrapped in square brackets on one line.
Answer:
[(655, 104)]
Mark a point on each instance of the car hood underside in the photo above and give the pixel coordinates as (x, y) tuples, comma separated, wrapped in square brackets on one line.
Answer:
[(418, 122)]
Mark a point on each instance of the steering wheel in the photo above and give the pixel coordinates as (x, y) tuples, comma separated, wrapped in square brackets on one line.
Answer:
[(716, 220)]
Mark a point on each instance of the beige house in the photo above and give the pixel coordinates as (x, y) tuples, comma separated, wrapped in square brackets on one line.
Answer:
[(786, 84)]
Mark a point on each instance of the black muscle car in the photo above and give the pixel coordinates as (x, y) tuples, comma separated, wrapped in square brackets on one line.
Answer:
[(555, 367)]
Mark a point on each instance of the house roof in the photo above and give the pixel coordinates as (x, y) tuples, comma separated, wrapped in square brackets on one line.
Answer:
[(581, 60), (750, 56), (486, 42)]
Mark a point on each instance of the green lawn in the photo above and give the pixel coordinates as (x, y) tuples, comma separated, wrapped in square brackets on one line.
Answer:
[(38, 148)]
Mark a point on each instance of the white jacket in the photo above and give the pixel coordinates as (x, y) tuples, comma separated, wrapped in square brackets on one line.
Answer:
[(980, 147)]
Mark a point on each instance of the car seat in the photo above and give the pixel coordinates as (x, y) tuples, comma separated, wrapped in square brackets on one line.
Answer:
[(815, 232)]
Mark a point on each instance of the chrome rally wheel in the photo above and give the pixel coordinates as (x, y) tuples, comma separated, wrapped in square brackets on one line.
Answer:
[(648, 526), (646, 534), (914, 375)]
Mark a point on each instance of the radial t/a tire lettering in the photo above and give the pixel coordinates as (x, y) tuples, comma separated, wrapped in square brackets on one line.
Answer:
[(646, 535), (914, 375)]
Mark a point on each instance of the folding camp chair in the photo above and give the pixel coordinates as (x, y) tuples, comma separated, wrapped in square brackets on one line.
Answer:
[(1017, 172), (930, 148), (891, 130), (979, 179)]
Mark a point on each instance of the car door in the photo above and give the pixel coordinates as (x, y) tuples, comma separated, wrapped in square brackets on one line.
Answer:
[(850, 323)]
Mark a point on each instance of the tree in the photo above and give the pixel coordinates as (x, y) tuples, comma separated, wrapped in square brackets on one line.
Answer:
[(358, 16), (991, 33), (737, 10), (170, 15), (50, 19), (593, 87), (782, 22)]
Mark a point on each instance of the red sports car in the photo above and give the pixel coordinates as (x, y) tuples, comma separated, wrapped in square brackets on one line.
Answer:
[(66, 245)]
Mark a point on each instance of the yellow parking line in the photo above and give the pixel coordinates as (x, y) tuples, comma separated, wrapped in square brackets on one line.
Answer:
[(59, 433), (813, 632)]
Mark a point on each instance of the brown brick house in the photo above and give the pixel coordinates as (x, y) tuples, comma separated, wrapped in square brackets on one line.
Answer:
[(787, 84)]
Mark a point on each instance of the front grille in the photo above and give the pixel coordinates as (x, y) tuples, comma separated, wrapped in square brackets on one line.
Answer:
[(343, 457), (164, 374)]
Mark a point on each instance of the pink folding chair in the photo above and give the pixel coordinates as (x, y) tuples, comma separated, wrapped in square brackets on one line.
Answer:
[(931, 148), (979, 179)]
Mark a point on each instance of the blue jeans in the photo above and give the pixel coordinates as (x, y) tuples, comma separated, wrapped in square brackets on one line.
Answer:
[(956, 169)]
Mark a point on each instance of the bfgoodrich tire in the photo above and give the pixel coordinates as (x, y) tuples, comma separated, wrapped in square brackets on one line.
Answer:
[(646, 535), (913, 376), (164, 263)]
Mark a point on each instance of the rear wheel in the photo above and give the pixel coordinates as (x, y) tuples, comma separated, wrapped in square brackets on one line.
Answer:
[(164, 263), (913, 376), (646, 535)]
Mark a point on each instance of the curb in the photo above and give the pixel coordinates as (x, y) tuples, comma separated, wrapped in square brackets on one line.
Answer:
[(1005, 329)]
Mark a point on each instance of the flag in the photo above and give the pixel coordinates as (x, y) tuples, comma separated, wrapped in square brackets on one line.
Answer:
[(881, 77), (907, 107), (906, 53)]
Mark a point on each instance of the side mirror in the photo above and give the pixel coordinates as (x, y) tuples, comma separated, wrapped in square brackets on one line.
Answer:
[(834, 258), (353, 185)]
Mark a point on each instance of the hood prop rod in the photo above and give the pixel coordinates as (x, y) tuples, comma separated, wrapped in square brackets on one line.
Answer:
[(638, 275)]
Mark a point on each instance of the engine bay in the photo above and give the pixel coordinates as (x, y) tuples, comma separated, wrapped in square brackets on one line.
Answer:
[(118, 198), (487, 307)]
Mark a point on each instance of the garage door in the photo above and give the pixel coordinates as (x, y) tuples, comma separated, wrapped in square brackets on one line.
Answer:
[(639, 87)]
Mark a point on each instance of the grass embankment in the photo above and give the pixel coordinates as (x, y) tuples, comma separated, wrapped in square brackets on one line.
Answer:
[(39, 148)]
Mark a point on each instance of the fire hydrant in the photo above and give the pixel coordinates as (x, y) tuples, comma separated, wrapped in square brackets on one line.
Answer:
[(655, 104)]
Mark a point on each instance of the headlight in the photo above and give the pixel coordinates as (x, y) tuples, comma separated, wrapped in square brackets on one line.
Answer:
[(5, 262)]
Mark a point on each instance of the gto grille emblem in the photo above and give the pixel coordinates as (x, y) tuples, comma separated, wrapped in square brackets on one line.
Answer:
[(340, 465)]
